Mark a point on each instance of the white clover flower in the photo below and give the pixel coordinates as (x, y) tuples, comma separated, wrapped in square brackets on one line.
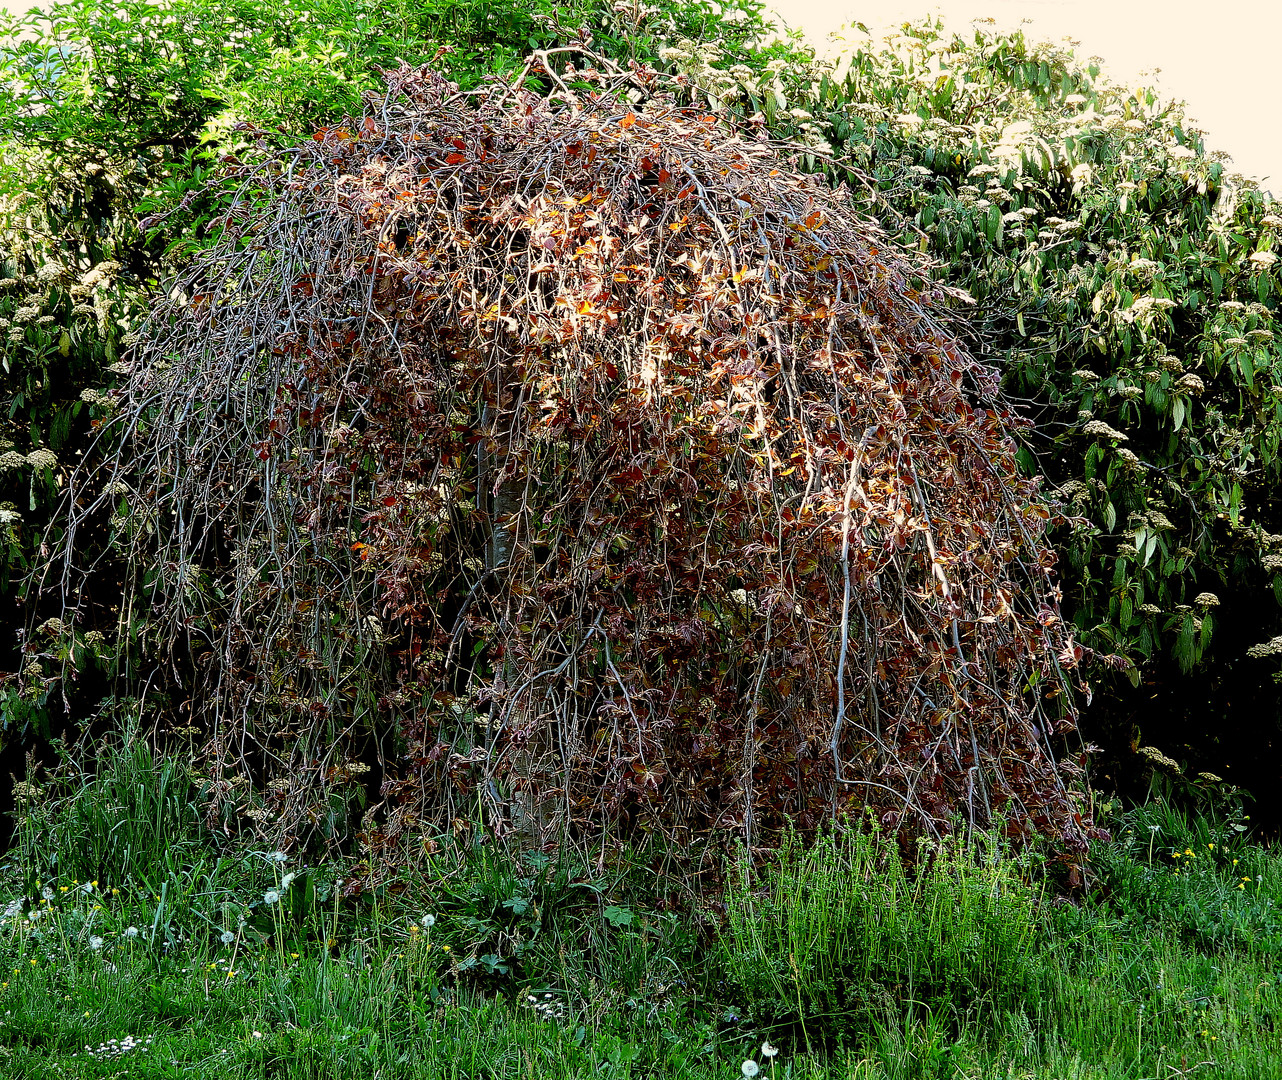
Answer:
[(271, 896), (95, 943), (427, 921), (227, 937), (750, 1068)]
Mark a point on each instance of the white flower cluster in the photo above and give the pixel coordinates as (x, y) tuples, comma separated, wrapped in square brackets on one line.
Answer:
[(546, 1006), (1098, 427), (117, 1048), (1146, 308), (99, 274), (11, 460), (1153, 754), (1269, 648), (100, 398), (1130, 459), (1264, 258), (41, 458)]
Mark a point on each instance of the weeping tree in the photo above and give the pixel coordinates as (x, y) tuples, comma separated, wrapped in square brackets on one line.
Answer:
[(576, 465)]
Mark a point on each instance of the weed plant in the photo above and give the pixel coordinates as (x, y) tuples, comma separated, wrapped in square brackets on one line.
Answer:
[(191, 954)]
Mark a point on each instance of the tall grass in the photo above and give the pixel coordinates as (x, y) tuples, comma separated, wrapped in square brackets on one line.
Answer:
[(839, 934), (123, 919)]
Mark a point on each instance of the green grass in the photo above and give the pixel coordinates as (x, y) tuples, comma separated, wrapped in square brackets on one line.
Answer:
[(969, 966)]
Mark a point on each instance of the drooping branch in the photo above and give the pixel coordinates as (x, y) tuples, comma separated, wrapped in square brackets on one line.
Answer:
[(621, 472)]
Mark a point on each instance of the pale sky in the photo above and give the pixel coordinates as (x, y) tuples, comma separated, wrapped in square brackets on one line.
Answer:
[(1223, 57)]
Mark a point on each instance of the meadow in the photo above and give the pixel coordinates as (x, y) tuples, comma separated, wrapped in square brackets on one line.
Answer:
[(137, 944)]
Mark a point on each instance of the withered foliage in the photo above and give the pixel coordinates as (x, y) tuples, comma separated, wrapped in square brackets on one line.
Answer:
[(591, 467)]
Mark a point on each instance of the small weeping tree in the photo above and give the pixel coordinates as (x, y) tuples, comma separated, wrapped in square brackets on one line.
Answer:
[(580, 466)]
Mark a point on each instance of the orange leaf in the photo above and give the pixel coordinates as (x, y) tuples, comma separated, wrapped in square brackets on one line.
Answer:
[(628, 120)]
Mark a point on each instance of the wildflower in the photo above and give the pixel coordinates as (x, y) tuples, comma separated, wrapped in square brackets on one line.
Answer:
[(227, 937), (287, 881), (1264, 258), (42, 459), (95, 943), (768, 1051), (750, 1068), (271, 897), (427, 921), (131, 931)]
